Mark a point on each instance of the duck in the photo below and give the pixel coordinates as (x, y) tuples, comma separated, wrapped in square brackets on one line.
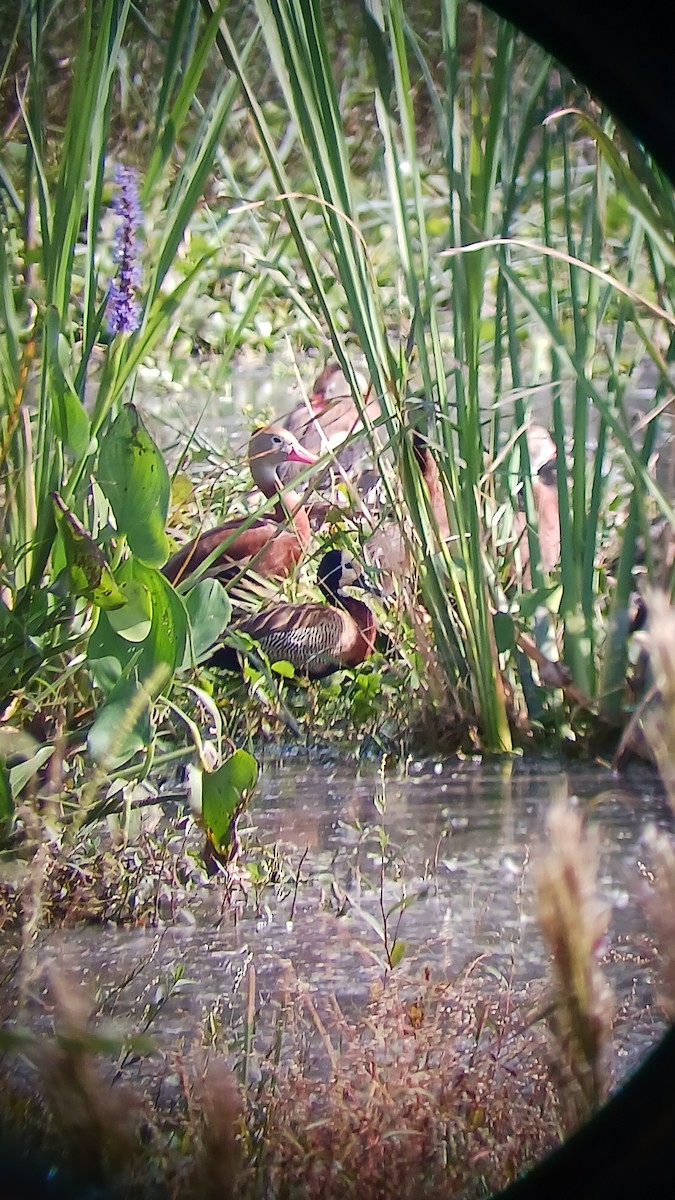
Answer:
[(316, 638), (328, 418), (272, 550), (387, 546), (542, 453)]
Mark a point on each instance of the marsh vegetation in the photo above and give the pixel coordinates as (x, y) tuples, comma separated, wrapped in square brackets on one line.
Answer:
[(415, 194)]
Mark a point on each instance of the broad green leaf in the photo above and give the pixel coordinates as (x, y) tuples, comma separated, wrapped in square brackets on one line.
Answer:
[(163, 649), (90, 574), (225, 793), (209, 609), (133, 475), (122, 726), (134, 621), (23, 772), (283, 668)]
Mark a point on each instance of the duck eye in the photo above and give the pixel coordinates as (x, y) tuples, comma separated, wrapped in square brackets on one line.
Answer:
[(276, 440), (348, 566)]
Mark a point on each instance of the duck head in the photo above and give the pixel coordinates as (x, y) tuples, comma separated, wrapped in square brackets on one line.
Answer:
[(339, 569), (268, 449)]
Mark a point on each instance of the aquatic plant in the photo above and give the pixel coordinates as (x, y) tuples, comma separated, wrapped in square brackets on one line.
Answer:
[(574, 921), (462, 237), (124, 310), (86, 489)]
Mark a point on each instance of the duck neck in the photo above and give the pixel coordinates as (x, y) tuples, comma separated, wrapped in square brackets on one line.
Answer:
[(364, 619), (288, 502)]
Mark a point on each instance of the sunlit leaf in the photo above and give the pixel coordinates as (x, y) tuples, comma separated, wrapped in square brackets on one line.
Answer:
[(89, 572), (225, 793), (164, 645), (133, 475), (283, 668), (209, 609), (134, 621), (397, 952)]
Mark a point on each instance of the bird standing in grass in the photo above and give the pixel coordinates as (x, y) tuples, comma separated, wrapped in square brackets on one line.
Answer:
[(272, 544), (317, 639)]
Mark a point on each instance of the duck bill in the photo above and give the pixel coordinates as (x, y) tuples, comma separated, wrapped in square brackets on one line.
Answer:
[(367, 585), (298, 454)]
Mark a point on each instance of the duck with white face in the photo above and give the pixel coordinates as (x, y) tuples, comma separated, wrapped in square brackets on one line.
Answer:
[(316, 638)]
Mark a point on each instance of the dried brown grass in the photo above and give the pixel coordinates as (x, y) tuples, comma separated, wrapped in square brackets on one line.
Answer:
[(574, 922), (427, 1095)]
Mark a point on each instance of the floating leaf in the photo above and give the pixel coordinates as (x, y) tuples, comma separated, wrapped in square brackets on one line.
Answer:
[(209, 608), (133, 475), (89, 572), (225, 793)]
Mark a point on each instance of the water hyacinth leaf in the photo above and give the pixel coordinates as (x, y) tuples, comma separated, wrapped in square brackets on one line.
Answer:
[(123, 726), (134, 621), (225, 793), (133, 476), (164, 646), (70, 418), (23, 772), (6, 801), (209, 609), (89, 572)]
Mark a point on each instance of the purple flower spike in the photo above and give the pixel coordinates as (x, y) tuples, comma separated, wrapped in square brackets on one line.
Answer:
[(124, 311)]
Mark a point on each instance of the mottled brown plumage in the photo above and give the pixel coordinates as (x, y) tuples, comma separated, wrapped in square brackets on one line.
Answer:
[(271, 549), (316, 638)]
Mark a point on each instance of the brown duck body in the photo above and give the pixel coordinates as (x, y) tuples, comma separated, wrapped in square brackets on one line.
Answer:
[(272, 550), (317, 639), (543, 465), (328, 420), (272, 544)]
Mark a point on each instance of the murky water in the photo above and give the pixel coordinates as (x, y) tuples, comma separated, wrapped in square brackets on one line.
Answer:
[(459, 843)]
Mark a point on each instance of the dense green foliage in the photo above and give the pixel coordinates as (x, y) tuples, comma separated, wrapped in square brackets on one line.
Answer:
[(444, 206)]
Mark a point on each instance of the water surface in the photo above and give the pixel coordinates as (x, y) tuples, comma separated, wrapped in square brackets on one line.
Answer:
[(459, 842)]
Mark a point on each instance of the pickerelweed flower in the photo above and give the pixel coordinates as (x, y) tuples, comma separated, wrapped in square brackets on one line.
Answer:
[(124, 310)]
